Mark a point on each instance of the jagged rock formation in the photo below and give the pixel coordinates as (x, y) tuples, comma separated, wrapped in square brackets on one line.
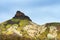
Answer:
[(16, 19), (21, 15), (21, 27)]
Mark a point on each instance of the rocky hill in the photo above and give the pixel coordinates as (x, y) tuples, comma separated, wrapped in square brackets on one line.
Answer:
[(21, 27)]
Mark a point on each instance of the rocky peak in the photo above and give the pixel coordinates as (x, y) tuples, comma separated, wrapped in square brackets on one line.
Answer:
[(21, 15)]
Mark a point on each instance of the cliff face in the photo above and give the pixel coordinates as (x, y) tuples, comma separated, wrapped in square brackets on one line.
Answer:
[(21, 27), (20, 15)]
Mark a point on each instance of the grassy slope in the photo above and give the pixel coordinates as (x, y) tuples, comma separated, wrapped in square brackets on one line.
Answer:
[(20, 23)]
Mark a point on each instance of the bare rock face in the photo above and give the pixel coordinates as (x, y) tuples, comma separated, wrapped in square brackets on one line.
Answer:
[(20, 15)]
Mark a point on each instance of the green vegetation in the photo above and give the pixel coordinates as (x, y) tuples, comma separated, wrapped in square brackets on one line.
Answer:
[(53, 24), (19, 24), (23, 22), (15, 20), (8, 26)]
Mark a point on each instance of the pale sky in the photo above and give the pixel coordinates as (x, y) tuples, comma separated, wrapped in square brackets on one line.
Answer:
[(40, 11)]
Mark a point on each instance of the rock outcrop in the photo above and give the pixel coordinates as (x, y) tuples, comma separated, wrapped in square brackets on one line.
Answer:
[(21, 27), (21, 15)]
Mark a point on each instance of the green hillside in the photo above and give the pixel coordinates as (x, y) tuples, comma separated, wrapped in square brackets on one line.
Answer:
[(21, 27)]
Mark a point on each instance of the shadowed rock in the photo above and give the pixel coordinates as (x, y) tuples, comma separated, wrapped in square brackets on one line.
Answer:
[(21, 15)]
